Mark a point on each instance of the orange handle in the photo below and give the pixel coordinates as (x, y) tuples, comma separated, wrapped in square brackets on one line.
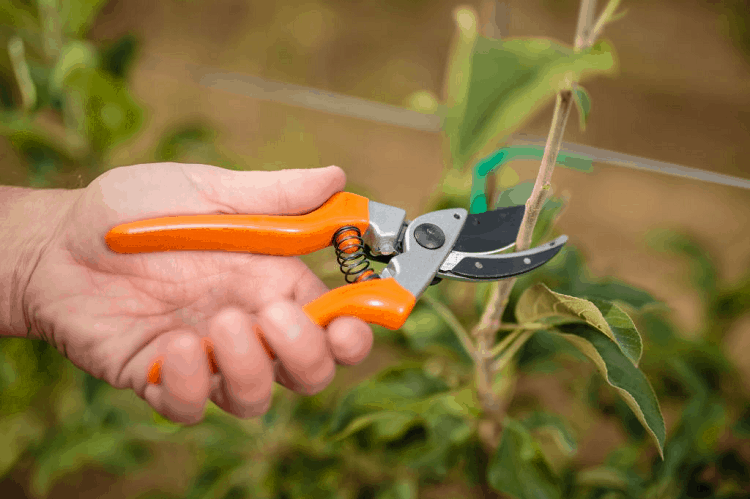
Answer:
[(284, 235), (379, 301)]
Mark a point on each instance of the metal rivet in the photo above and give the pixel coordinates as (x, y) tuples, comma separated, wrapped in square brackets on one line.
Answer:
[(429, 236), (527, 260), (478, 265)]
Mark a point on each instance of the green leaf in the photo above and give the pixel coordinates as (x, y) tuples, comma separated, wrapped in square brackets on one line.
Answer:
[(514, 196), (620, 372), (519, 468), (402, 414), (74, 54), (390, 425), (583, 105), (540, 304), (602, 476), (110, 115), (695, 437), (398, 389), (74, 452), (607, 336), (510, 80), (552, 423), (459, 74), (569, 274), (212, 482)]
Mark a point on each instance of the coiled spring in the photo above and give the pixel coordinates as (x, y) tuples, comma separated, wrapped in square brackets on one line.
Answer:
[(349, 246)]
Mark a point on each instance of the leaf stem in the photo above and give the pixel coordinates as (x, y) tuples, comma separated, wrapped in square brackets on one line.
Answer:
[(604, 18), (508, 354), (21, 71), (453, 322), (498, 349)]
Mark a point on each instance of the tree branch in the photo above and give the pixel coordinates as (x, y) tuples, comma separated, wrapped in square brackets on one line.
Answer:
[(490, 321)]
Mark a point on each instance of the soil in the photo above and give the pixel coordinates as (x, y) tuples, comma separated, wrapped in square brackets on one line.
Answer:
[(682, 95)]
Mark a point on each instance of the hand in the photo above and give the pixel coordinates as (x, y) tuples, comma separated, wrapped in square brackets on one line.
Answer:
[(112, 314)]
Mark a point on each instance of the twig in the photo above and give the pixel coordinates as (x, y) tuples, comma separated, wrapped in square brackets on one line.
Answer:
[(501, 291), (454, 324), (491, 318), (498, 349), (604, 18), (511, 351)]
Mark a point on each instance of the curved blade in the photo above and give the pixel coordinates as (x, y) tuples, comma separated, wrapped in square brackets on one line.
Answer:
[(490, 231), (494, 267)]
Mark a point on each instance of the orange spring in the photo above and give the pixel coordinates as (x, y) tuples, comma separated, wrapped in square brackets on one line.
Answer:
[(349, 246)]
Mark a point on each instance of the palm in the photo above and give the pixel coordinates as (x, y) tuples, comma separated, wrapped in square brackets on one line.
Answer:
[(108, 311)]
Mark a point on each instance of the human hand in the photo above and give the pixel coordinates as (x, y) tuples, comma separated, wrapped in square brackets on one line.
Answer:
[(112, 314)]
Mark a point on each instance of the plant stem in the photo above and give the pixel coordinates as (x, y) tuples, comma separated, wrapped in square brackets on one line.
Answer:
[(489, 323), (454, 324), (21, 71), (508, 354), (498, 349)]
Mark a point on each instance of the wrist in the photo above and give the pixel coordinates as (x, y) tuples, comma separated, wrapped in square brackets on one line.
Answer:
[(28, 221)]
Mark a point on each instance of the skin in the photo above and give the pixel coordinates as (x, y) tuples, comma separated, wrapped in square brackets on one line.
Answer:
[(112, 314)]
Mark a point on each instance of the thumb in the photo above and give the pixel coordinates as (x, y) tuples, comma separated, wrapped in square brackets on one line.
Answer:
[(284, 192)]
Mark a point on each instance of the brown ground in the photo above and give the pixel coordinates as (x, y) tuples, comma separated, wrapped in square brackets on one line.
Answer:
[(683, 95)]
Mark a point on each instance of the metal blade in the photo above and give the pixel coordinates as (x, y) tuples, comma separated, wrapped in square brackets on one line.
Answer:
[(490, 231), (467, 267)]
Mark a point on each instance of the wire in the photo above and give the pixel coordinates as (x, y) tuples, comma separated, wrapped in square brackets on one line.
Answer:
[(354, 107)]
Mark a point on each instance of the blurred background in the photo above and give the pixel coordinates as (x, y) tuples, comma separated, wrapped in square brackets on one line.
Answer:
[(682, 95)]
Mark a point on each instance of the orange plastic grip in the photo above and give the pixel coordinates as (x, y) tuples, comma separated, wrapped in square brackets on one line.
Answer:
[(379, 301), (284, 235)]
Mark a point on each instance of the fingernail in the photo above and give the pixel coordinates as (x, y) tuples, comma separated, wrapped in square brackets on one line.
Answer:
[(154, 373)]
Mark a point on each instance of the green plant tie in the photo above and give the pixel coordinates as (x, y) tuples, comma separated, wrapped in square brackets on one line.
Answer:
[(487, 165)]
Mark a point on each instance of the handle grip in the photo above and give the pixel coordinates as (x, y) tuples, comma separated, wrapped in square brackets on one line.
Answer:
[(284, 235), (379, 301)]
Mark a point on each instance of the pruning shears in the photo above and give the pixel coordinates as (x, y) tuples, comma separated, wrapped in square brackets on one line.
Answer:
[(449, 243)]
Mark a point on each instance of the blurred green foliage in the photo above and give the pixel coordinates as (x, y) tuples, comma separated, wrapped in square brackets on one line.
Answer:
[(414, 428)]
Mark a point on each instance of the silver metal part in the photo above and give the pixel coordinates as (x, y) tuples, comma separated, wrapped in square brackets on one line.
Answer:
[(526, 257), (456, 256), (385, 224), (415, 268)]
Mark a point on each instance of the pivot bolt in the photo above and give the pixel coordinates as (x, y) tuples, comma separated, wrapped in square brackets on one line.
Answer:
[(429, 236)]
